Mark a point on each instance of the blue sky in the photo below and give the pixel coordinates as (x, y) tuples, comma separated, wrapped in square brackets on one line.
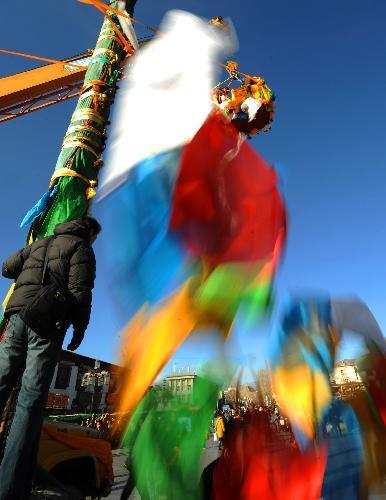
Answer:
[(325, 62)]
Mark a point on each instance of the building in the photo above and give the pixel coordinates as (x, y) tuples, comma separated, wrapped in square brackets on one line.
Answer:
[(68, 391), (346, 372), (346, 380), (258, 392), (242, 394), (180, 384), (230, 395), (248, 394)]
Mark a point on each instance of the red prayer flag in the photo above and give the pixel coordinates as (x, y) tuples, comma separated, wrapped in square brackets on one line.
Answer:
[(226, 203)]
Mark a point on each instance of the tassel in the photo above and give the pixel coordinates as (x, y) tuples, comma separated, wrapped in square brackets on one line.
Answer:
[(90, 193)]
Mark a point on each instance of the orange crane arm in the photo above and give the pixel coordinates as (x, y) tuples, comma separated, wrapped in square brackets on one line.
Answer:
[(37, 88)]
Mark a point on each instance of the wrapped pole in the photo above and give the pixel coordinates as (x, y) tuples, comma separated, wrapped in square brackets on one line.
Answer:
[(77, 168)]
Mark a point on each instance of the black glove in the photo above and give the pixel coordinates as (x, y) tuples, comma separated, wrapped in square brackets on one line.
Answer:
[(75, 341)]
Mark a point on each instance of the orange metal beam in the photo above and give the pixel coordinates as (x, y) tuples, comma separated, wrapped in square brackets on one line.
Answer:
[(40, 102), (37, 82)]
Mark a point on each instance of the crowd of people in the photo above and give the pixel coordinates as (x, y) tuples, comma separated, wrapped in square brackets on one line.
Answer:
[(109, 425), (236, 429), (224, 419), (102, 423)]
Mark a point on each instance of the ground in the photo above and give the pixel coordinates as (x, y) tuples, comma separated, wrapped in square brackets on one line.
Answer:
[(120, 475)]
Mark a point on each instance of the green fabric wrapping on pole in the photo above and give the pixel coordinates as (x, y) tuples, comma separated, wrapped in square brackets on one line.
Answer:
[(85, 139), (70, 203)]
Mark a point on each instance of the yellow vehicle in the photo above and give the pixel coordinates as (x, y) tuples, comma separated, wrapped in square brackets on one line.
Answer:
[(78, 458)]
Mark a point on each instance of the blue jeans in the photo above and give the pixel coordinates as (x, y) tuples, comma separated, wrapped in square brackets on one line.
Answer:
[(22, 351)]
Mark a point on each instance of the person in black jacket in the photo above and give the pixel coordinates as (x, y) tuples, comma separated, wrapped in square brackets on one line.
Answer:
[(71, 262)]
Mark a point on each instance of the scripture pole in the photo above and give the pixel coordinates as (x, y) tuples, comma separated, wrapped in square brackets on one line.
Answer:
[(77, 169)]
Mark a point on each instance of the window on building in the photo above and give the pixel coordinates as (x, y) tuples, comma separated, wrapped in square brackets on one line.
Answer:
[(63, 376)]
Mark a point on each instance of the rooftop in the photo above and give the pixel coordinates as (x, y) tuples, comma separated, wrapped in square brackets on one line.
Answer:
[(181, 375), (346, 362)]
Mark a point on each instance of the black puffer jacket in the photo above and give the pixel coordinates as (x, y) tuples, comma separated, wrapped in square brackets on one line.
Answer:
[(71, 261)]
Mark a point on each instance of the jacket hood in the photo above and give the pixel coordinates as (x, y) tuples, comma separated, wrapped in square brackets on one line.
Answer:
[(73, 228)]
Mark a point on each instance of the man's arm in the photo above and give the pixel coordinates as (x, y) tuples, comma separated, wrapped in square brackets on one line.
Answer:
[(13, 265), (80, 284)]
